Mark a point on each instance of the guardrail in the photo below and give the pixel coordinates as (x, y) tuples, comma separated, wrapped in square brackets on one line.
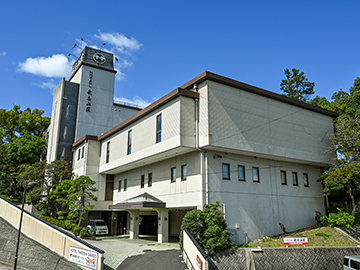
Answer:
[(54, 238)]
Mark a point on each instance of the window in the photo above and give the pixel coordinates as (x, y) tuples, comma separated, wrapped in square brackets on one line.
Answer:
[(183, 172), (173, 174), (107, 152), (79, 154), (109, 187), (158, 128), (125, 184), (150, 179), (295, 179), (255, 174), (226, 171), (354, 264), (82, 151), (142, 181), (119, 186), (283, 177), (129, 142), (306, 179), (241, 173)]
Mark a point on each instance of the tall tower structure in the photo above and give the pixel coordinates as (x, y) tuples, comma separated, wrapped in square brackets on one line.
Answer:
[(84, 105)]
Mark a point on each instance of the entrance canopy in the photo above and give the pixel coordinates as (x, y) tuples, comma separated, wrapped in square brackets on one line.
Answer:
[(144, 200)]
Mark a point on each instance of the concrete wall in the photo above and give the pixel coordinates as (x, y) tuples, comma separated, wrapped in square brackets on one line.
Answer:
[(256, 125), (192, 254), (54, 239), (178, 131), (182, 193), (258, 208)]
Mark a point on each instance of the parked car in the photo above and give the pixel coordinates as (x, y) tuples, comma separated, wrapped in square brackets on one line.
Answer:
[(98, 226), (351, 262)]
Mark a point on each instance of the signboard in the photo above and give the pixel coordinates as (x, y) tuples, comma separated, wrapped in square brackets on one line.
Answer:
[(199, 262), (295, 241), (83, 257)]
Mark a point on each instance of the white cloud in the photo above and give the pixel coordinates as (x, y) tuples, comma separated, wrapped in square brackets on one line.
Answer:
[(2, 53), (48, 85), (134, 101), (57, 65), (122, 43)]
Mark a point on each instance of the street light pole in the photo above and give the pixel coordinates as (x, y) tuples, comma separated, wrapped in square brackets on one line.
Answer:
[(21, 216)]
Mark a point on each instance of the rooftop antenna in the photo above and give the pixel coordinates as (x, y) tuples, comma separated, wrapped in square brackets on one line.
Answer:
[(102, 45)]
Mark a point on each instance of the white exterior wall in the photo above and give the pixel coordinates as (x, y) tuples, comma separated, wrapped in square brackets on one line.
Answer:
[(89, 166), (186, 193), (259, 207), (103, 114), (256, 125), (177, 134)]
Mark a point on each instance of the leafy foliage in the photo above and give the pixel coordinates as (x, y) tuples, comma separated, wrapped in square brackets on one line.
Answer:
[(208, 227), (296, 85)]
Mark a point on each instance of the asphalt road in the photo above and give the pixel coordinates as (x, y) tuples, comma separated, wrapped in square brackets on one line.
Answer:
[(157, 260)]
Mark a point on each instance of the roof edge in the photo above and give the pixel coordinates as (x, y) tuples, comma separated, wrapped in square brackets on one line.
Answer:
[(256, 90), (84, 138)]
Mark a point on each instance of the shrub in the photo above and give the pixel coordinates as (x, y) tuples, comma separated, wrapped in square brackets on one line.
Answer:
[(341, 219), (85, 231), (77, 230), (322, 221)]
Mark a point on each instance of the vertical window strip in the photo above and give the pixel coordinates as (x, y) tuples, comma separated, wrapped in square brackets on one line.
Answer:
[(79, 154), (295, 179), (241, 173), (150, 179), (306, 179), (142, 181), (283, 177), (129, 142), (107, 152), (119, 186), (256, 174), (82, 151), (173, 174), (158, 128), (125, 184), (226, 171), (183, 172)]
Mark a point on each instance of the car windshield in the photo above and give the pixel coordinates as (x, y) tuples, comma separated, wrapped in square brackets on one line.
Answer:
[(100, 223)]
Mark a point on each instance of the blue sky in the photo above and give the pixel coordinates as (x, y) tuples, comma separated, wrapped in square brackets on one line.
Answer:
[(163, 44)]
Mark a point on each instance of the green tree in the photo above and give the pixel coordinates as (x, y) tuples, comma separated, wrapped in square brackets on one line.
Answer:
[(208, 227), (80, 197), (296, 85), (344, 178)]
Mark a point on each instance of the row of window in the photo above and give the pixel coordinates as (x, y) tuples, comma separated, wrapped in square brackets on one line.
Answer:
[(241, 173), (129, 140), (256, 175), (294, 178), (150, 177)]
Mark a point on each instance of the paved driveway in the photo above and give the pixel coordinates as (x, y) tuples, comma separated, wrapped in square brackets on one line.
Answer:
[(118, 248)]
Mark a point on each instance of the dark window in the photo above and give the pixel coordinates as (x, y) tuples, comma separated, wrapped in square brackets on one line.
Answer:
[(241, 173), (150, 179), (226, 171), (109, 188), (306, 179), (119, 186), (173, 174), (346, 261), (79, 154), (183, 172), (256, 174), (158, 128), (142, 181), (125, 184), (354, 264), (283, 177), (82, 151), (295, 179), (129, 142), (107, 152)]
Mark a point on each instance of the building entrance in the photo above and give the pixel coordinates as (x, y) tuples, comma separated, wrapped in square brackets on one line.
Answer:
[(148, 225)]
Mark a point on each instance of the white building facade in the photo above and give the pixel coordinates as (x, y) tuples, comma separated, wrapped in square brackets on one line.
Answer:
[(213, 139)]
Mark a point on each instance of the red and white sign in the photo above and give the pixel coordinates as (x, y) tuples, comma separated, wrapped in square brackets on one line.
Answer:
[(295, 241), (199, 262)]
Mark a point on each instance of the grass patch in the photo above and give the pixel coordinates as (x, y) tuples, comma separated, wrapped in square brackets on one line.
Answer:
[(319, 237)]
